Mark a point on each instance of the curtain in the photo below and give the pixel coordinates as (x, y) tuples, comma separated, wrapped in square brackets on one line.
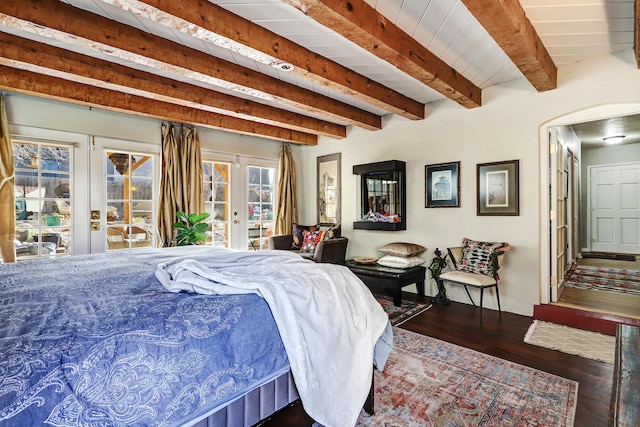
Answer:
[(181, 180), (287, 204), (7, 196), (170, 200), (191, 171)]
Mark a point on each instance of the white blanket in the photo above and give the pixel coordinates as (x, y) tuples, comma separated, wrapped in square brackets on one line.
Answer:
[(328, 320)]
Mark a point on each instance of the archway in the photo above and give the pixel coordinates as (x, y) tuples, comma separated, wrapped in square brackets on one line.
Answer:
[(584, 115)]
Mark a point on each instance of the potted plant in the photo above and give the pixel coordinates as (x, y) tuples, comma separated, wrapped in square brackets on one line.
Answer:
[(191, 228), (53, 219)]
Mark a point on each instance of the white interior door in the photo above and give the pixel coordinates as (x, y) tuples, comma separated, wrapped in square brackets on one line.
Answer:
[(124, 190), (614, 200)]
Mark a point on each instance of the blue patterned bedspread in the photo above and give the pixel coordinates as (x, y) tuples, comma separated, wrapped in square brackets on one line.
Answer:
[(96, 340)]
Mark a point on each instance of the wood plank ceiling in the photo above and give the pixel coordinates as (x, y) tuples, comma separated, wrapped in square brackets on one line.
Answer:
[(293, 70)]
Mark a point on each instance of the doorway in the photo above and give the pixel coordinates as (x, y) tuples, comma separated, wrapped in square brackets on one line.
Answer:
[(575, 189), (240, 196)]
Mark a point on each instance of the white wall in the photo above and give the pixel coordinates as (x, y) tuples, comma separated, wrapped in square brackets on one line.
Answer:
[(506, 127), (26, 113)]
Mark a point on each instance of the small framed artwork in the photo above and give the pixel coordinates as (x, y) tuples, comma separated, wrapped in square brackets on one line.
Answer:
[(442, 185), (498, 192), (328, 184)]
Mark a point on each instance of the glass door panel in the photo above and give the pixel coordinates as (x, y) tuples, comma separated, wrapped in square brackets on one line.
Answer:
[(260, 197), (42, 199), (217, 197), (129, 200)]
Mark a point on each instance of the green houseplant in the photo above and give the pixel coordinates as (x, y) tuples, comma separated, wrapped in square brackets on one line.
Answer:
[(191, 228)]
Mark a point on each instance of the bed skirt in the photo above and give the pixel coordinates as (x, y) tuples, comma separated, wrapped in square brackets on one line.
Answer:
[(254, 406)]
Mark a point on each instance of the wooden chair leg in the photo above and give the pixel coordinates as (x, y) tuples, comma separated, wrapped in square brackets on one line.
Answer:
[(481, 298), (498, 297)]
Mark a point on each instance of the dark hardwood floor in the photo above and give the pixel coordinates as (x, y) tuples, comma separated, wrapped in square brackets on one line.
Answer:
[(502, 336)]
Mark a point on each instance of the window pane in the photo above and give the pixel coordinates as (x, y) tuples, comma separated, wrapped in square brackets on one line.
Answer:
[(115, 188)]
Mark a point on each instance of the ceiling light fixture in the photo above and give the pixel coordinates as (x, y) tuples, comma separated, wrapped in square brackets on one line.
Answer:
[(285, 66), (613, 139), (35, 162)]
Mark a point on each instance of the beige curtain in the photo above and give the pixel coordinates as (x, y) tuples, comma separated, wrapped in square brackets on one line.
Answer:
[(287, 206), (170, 200), (7, 197), (191, 171), (181, 181)]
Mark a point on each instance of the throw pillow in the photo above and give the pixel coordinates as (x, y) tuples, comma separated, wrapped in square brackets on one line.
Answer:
[(400, 261), (298, 233), (311, 240), (402, 249), (476, 256), (333, 232)]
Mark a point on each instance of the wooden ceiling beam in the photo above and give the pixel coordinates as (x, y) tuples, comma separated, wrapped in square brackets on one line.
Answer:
[(243, 34), (45, 59), (106, 36), (507, 24), (364, 26), (30, 83)]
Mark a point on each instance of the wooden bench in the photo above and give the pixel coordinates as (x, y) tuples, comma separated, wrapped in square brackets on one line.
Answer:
[(625, 394)]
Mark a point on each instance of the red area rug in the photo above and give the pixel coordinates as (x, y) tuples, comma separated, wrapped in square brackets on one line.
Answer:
[(603, 279), (428, 382), (399, 315)]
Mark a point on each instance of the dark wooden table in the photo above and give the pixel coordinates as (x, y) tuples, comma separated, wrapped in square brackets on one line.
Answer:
[(390, 278)]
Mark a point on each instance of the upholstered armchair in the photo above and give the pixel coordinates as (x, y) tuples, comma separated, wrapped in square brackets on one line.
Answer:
[(332, 250)]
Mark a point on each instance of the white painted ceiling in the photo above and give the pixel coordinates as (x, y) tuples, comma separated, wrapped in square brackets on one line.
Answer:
[(571, 30)]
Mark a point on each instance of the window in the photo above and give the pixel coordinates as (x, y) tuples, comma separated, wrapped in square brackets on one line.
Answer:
[(129, 203), (42, 199), (217, 200)]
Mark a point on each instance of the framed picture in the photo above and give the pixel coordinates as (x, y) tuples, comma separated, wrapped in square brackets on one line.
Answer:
[(498, 192), (328, 184), (442, 185)]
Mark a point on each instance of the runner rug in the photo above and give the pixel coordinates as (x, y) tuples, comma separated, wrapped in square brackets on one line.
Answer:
[(603, 279), (591, 345), (399, 315), (428, 382)]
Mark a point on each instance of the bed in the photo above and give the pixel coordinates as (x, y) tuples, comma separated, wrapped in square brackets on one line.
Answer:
[(184, 336)]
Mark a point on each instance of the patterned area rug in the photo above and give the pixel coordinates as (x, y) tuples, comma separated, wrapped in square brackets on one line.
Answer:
[(428, 382), (399, 315), (591, 345), (603, 279)]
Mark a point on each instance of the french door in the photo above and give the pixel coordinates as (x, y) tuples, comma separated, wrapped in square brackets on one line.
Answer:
[(561, 210), (239, 193)]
